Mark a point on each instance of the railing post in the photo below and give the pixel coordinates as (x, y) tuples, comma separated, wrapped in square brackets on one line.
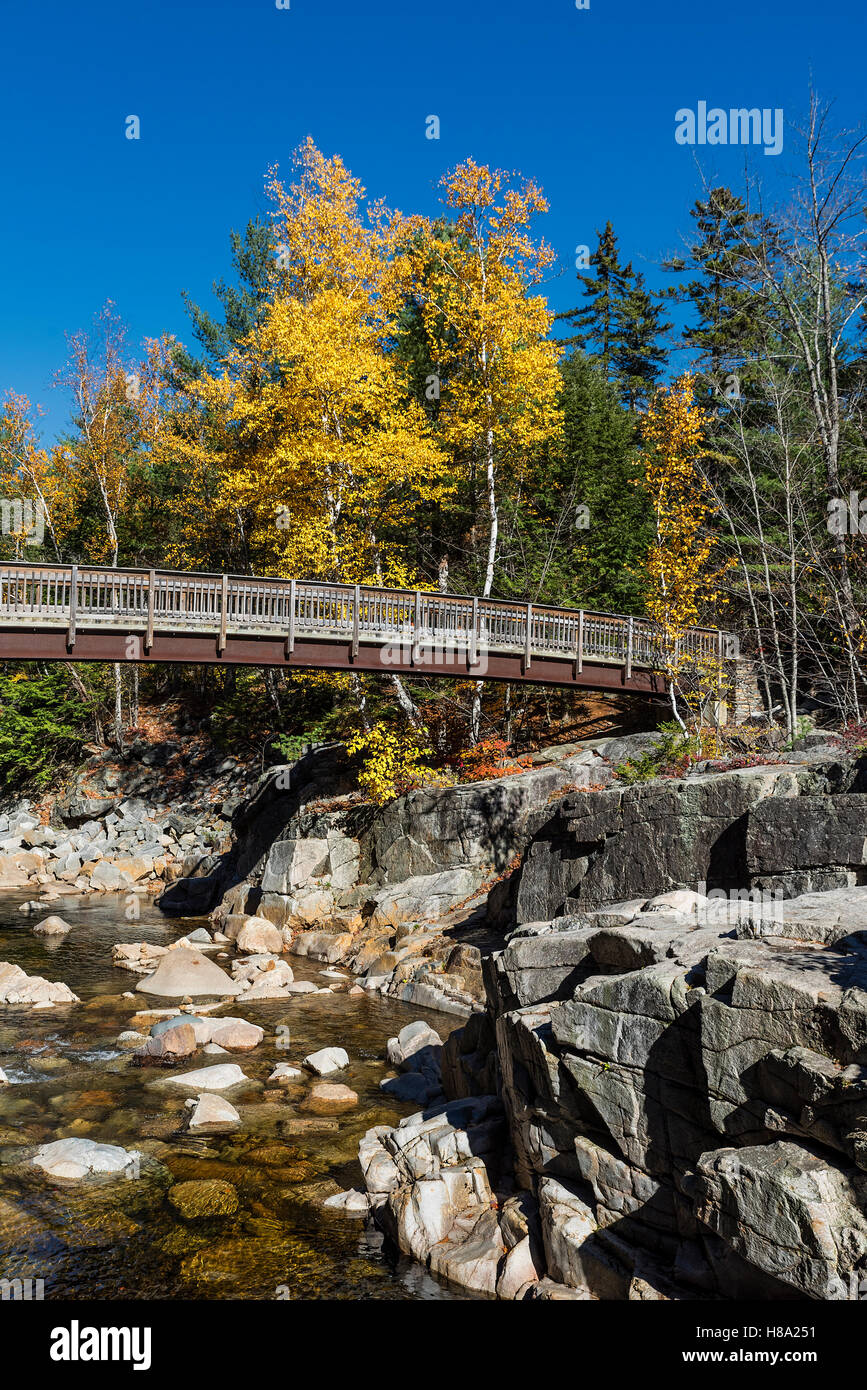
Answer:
[(224, 604), (73, 606), (290, 640), (579, 648), (721, 712), (528, 649), (356, 619), (415, 654), (474, 632), (152, 595), (629, 636)]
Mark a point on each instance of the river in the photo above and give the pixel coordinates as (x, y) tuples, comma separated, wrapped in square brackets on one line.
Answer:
[(115, 1240)]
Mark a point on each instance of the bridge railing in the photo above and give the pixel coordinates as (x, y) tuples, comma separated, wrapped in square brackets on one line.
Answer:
[(99, 597)]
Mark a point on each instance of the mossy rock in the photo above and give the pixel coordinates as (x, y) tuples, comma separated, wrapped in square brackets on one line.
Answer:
[(158, 1127), (234, 1264), (77, 1128), (309, 1193), (53, 1063), (272, 1155), (299, 1171), (91, 1231), (187, 1167), (181, 1242), (106, 1001), (203, 1198), (13, 1138)]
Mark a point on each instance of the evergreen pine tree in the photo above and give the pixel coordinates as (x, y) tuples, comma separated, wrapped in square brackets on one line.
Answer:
[(620, 324), (243, 302), (577, 530), (596, 319), (729, 313), (637, 356)]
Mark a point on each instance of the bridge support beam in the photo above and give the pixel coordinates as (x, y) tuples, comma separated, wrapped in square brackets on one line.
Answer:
[(22, 644)]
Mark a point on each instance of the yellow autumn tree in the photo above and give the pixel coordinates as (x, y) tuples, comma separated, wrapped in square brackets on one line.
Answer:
[(684, 577), (311, 426), (33, 487), (488, 332), (392, 761)]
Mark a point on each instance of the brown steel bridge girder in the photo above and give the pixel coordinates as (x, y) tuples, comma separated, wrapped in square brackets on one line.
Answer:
[(40, 644)]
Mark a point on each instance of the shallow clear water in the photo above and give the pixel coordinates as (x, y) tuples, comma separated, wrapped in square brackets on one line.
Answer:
[(117, 1239)]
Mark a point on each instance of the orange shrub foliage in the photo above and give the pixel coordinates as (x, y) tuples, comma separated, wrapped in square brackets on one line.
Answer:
[(489, 758)]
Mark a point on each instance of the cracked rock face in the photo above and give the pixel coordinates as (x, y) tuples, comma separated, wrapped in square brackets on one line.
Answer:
[(697, 1096), (676, 1032), (780, 828)]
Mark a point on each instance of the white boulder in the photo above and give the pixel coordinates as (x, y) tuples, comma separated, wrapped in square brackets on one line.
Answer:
[(17, 987), (283, 1072), (211, 1110), (184, 972), (327, 1060), (351, 1203), (219, 1078), (258, 936), (52, 926), (77, 1158)]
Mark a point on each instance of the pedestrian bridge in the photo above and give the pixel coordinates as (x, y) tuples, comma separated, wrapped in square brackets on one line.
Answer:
[(93, 613)]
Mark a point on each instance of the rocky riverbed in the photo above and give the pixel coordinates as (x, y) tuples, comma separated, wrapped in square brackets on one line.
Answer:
[(549, 1036), (218, 1212), (125, 823)]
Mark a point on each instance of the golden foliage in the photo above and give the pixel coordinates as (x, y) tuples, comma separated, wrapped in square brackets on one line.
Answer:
[(310, 426), (488, 333), (683, 575), (392, 762), (30, 473)]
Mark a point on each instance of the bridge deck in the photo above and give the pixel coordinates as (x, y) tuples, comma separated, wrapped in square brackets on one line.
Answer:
[(93, 613)]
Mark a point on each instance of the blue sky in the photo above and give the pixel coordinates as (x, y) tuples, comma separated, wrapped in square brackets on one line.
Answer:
[(584, 101)]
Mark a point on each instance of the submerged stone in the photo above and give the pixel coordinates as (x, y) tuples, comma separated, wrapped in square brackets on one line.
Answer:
[(196, 1201)]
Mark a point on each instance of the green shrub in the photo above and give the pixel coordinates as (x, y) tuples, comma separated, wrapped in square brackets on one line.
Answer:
[(670, 753), (42, 724), (291, 746)]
